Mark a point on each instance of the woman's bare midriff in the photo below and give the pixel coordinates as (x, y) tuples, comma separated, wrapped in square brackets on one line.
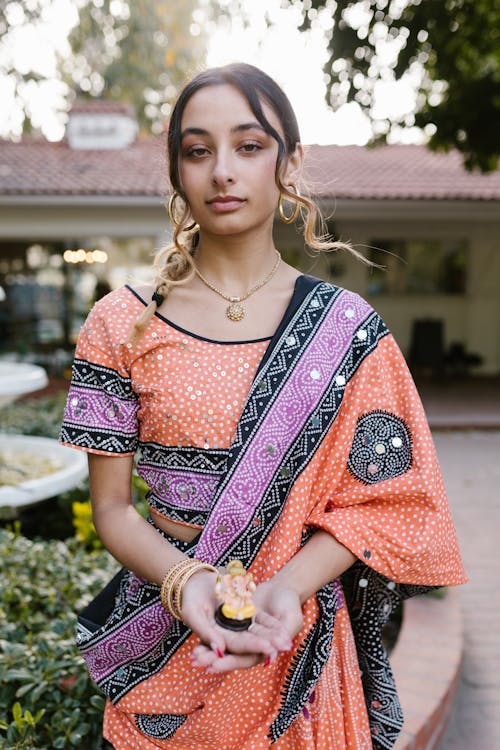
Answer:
[(177, 530)]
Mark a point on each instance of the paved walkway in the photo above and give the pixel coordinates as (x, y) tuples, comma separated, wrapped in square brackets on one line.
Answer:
[(471, 465)]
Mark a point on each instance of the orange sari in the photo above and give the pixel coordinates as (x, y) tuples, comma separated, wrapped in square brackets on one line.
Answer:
[(319, 428)]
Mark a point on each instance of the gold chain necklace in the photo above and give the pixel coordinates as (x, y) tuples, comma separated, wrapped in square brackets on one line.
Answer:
[(235, 311)]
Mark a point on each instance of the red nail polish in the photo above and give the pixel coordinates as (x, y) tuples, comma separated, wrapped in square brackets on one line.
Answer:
[(219, 653), (267, 661)]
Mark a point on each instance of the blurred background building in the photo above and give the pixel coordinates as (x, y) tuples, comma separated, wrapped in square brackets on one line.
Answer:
[(86, 214)]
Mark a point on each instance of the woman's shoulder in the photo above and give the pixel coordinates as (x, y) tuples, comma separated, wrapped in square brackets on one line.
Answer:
[(124, 297), (114, 312)]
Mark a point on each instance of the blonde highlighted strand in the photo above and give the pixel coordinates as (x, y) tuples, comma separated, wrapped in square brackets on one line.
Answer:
[(175, 266), (312, 219)]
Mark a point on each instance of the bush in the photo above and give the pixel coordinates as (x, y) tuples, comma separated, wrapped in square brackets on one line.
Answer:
[(35, 416), (47, 699)]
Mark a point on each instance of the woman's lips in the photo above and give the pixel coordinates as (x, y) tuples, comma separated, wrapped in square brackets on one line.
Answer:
[(225, 204)]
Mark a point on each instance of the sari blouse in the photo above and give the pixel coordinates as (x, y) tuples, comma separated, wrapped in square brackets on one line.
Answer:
[(257, 444)]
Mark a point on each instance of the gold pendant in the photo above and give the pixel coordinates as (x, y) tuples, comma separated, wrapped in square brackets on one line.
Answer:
[(235, 312)]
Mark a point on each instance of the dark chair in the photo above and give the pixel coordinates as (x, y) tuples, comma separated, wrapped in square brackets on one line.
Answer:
[(426, 355)]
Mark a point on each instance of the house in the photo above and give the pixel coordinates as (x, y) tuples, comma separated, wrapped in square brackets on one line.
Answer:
[(92, 208)]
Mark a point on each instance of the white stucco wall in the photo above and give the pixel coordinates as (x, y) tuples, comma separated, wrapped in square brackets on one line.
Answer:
[(472, 319)]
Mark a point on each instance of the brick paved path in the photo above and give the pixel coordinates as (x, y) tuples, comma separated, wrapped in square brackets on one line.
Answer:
[(471, 467)]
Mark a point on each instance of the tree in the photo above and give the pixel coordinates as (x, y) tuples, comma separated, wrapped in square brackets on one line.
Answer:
[(16, 83), (140, 51), (135, 50), (451, 46)]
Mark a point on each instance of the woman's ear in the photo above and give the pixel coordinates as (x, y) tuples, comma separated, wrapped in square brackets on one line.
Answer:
[(294, 165)]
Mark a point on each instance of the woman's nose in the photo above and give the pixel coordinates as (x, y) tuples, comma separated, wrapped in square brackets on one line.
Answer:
[(222, 172)]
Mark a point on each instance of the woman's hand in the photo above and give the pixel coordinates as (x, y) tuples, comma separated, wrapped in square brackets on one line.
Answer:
[(198, 609), (277, 620)]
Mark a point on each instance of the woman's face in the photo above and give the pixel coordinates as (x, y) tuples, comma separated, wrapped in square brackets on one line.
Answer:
[(227, 162)]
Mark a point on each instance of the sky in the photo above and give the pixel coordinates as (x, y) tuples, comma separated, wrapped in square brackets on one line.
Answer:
[(293, 58)]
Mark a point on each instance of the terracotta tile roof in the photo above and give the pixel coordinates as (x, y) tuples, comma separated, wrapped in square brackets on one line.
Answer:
[(102, 106), (37, 167), (396, 172)]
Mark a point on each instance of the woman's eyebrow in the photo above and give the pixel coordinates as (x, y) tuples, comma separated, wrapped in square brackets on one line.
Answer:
[(236, 129), (247, 126), (194, 131)]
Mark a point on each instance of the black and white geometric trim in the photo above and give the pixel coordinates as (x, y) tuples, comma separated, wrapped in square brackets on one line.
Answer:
[(100, 378), (381, 448), (160, 726), (179, 515), (196, 460), (371, 598), (307, 665)]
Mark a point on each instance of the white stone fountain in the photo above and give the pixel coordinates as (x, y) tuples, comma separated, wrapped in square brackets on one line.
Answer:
[(17, 379)]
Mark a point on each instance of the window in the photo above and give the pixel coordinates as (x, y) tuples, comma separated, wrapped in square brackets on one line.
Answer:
[(418, 267)]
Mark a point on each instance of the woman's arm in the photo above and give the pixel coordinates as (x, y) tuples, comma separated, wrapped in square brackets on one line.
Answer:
[(321, 559), (136, 544), (129, 538)]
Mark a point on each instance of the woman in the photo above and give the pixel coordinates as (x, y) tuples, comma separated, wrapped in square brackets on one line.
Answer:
[(277, 425)]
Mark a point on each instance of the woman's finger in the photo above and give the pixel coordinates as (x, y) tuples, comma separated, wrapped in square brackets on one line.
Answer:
[(202, 656), (249, 642), (230, 662), (269, 626)]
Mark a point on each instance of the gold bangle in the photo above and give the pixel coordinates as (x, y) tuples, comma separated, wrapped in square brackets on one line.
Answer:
[(171, 597), (169, 580), (174, 581)]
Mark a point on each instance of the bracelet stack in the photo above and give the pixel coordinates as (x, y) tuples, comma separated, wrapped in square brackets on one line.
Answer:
[(175, 580)]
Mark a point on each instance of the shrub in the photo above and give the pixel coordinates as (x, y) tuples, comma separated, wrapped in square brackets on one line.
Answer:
[(35, 416), (47, 699)]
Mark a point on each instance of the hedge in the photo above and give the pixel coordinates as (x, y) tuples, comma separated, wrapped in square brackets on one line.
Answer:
[(46, 697)]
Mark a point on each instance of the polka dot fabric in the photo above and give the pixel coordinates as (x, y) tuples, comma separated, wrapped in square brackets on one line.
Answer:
[(400, 526), (189, 391)]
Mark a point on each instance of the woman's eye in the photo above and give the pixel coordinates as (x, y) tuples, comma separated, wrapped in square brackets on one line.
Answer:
[(250, 148), (196, 151)]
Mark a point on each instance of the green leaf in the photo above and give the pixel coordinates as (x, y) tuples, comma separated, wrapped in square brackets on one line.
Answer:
[(17, 712), (98, 702), (19, 674), (24, 689)]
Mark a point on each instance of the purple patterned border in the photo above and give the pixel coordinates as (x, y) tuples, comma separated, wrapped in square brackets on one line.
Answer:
[(184, 489), (100, 411), (132, 640)]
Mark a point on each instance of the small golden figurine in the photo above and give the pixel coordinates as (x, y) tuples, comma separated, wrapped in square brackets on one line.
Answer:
[(234, 589)]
